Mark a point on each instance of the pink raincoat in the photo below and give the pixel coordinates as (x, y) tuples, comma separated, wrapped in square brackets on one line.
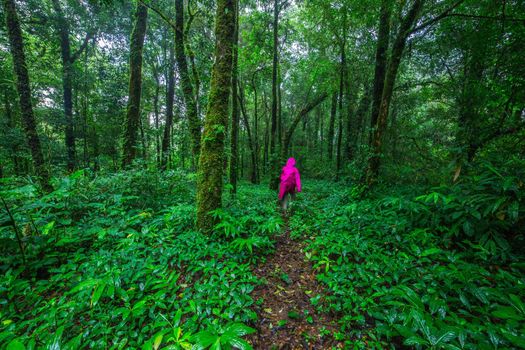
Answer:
[(290, 179)]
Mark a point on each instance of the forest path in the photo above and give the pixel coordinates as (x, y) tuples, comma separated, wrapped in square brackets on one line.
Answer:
[(286, 317)]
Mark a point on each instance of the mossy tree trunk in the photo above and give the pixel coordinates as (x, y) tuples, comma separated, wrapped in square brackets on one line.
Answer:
[(135, 85), (273, 133), (24, 91), (211, 160), (381, 61), (342, 75), (187, 87), (235, 108), (390, 79)]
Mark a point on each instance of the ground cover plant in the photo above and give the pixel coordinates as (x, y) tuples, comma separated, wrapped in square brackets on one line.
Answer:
[(434, 270), (105, 268)]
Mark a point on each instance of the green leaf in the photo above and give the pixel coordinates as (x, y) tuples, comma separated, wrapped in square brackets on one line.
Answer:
[(97, 293), (415, 340), (430, 251), (157, 340), (83, 285), (445, 337), (515, 340), (15, 345), (239, 343), (48, 228), (238, 329), (507, 312), (203, 339), (517, 303)]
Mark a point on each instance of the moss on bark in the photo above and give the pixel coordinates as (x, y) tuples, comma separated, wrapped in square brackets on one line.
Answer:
[(24, 91), (135, 85), (211, 160), (190, 99)]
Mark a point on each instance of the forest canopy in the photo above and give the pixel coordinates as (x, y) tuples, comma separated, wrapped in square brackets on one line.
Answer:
[(141, 147)]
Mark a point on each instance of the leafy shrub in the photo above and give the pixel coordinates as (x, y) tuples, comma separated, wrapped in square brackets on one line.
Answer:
[(113, 262), (395, 277)]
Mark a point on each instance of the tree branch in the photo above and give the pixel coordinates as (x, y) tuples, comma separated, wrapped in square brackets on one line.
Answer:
[(82, 47), (304, 111), (437, 18), (500, 18), (160, 13)]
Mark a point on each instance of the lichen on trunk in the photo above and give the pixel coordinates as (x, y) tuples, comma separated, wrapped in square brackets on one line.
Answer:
[(211, 160), (135, 85)]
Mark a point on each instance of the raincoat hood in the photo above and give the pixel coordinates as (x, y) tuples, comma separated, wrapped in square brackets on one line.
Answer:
[(290, 162)]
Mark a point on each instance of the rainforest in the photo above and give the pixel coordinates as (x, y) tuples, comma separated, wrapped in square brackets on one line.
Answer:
[(262, 174)]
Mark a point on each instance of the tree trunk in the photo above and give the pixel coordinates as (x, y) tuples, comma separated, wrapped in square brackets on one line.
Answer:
[(170, 96), (381, 61), (350, 129), (360, 114), (156, 112), (85, 111), (390, 79), (331, 126), (341, 96), (273, 135), (210, 173), (143, 141), (235, 108), (256, 170), (135, 85), (187, 88), (321, 132), (251, 139), (24, 91), (65, 49), (11, 124)]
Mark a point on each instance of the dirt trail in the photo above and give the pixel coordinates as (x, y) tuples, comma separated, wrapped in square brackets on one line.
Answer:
[(286, 317)]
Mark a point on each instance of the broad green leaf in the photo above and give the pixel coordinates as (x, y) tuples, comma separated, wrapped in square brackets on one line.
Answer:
[(415, 340), (15, 345), (431, 251), (97, 293)]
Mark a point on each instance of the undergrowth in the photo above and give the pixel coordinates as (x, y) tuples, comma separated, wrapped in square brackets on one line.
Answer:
[(114, 262), (441, 269)]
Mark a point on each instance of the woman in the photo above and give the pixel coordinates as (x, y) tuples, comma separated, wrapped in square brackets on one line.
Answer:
[(290, 182)]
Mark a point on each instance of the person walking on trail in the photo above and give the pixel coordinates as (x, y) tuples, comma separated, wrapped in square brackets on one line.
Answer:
[(290, 182)]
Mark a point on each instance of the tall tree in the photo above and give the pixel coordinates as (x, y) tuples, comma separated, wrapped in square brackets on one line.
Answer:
[(187, 87), (252, 143), (331, 126), (135, 85), (24, 91), (393, 66), (68, 59), (211, 160), (235, 107), (383, 40), (170, 95), (273, 133), (342, 82)]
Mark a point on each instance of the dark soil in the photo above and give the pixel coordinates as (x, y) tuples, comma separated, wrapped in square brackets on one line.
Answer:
[(286, 317)]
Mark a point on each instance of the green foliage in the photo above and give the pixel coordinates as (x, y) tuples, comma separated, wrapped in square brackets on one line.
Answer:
[(110, 266), (399, 271)]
